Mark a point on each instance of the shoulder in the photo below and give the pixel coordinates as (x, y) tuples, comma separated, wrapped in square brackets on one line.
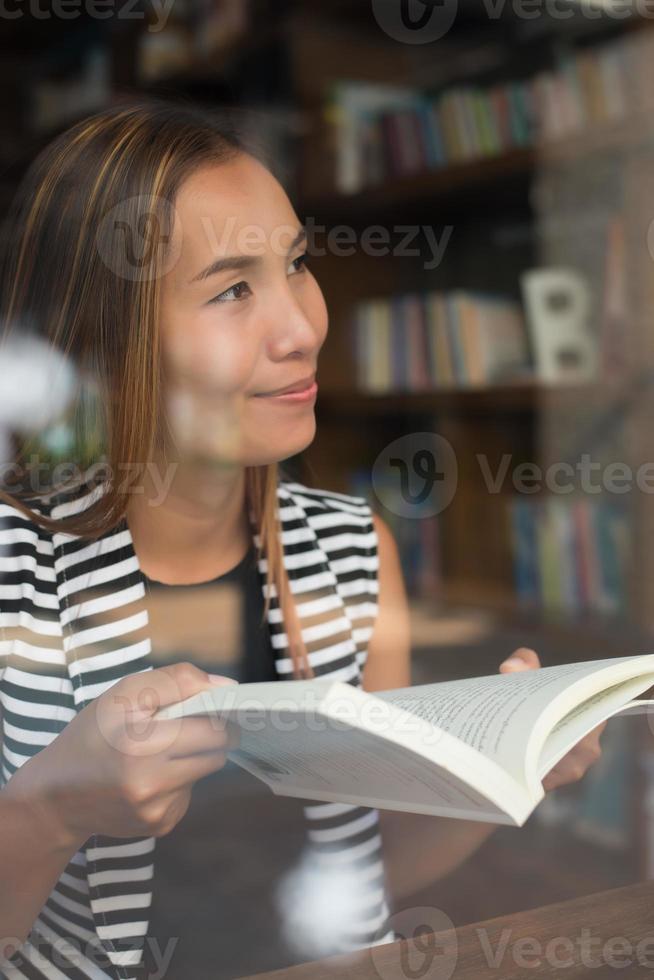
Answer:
[(27, 577), (327, 509), (339, 514), (17, 523), (24, 512), (316, 497), (356, 510)]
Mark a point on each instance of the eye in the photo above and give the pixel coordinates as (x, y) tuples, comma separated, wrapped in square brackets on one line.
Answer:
[(234, 293), (302, 260)]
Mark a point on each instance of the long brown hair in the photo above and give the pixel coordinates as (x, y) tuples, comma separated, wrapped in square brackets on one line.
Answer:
[(69, 277)]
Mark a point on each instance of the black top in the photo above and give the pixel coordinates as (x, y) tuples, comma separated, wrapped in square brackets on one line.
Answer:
[(214, 912)]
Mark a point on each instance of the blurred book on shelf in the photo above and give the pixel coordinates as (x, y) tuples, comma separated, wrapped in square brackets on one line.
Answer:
[(614, 358), (380, 132), (193, 35), (55, 103), (164, 53), (570, 555), (417, 538), (219, 25), (422, 340)]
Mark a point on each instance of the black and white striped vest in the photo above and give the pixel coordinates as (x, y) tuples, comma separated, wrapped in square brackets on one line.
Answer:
[(73, 621)]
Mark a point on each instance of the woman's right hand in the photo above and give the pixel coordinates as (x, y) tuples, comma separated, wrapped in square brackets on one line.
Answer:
[(115, 770)]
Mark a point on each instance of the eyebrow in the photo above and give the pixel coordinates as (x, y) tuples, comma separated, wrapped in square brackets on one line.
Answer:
[(239, 262)]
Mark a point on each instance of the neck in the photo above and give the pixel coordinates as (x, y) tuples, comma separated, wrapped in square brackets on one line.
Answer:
[(197, 529)]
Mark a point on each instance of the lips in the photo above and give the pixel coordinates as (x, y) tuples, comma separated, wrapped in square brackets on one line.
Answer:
[(301, 385)]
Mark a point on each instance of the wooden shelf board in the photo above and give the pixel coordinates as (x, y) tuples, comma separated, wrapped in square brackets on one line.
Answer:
[(521, 396), (429, 184), (487, 610), (636, 130)]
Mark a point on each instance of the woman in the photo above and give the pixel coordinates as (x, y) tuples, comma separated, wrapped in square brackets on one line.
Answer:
[(153, 247)]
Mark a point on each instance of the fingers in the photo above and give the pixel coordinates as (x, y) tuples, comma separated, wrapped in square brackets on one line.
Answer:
[(185, 771), (144, 693), (521, 659), (567, 771), (200, 734), (157, 817), (553, 779), (185, 679), (573, 766)]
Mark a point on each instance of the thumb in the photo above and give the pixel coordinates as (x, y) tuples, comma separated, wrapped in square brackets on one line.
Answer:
[(521, 659), (173, 683)]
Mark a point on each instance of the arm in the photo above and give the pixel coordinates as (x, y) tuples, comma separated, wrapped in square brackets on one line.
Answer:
[(112, 770), (34, 850), (418, 849)]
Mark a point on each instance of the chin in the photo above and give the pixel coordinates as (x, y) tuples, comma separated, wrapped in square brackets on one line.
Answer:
[(274, 446)]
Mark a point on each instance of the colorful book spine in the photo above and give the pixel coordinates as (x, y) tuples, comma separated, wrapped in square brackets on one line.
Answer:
[(399, 360), (420, 341), (525, 551), (570, 555), (419, 131)]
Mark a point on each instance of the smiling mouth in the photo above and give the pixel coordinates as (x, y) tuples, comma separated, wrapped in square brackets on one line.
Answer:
[(295, 389), (306, 395)]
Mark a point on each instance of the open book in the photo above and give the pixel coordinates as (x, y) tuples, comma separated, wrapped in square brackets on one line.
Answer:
[(475, 749)]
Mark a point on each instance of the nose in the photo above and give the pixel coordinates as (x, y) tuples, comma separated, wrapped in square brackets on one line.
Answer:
[(295, 324)]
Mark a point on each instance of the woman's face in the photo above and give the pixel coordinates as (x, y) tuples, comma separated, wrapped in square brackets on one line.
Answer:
[(243, 329)]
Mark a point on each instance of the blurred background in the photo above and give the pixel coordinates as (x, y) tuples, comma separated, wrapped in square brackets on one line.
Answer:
[(477, 180)]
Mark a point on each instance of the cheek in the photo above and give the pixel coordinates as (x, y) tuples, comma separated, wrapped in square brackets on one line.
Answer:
[(210, 357)]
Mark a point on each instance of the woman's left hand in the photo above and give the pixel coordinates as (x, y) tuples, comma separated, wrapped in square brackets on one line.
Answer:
[(573, 765)]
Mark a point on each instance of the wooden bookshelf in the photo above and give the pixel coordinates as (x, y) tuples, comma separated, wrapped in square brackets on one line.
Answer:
[(507, 416), (483, 173), (430, 185)]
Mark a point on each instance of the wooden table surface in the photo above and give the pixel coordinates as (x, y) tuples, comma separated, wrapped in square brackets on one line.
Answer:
[(608, 934)]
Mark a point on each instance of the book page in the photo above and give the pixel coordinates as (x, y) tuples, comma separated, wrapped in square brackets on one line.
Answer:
[(351, 765), (326, 740), (582, 719), (496, 714)]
